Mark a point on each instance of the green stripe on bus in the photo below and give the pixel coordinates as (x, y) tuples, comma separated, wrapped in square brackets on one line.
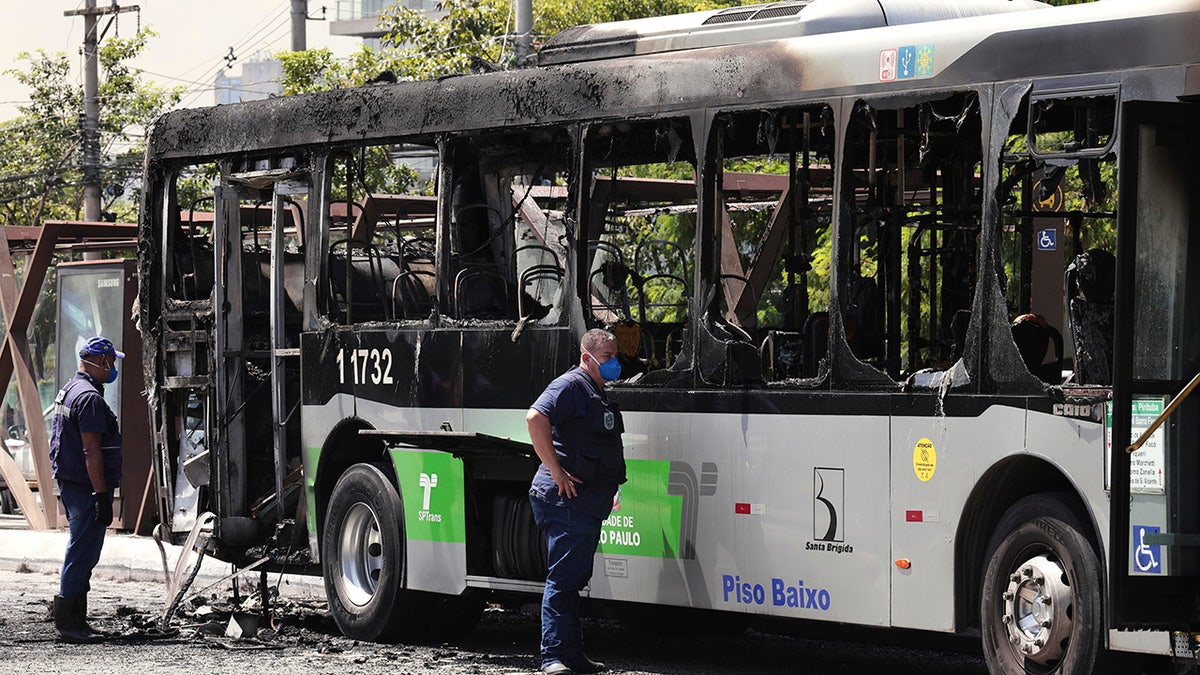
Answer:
[(645, 519)]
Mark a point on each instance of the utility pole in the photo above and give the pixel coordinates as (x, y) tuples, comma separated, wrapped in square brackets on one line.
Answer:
[(299, 31), (524, 31), (90, 127)]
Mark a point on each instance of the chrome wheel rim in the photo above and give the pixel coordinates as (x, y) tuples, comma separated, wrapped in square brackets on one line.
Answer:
[(360, 555), (1037, 610)]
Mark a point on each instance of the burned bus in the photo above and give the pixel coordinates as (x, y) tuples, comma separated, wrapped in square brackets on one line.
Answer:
[(895, 284)]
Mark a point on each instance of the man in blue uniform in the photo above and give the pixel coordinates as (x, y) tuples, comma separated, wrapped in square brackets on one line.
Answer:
[(576, 432), (85, 454)]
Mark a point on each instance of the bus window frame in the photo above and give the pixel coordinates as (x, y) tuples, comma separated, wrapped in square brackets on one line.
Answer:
[(448, 259), (1067, 94), (965, 373), (683, 365), (715, 277)]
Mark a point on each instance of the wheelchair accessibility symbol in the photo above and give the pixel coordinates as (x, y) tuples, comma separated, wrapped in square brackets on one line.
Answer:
[(1146, 558), (1047, 240)]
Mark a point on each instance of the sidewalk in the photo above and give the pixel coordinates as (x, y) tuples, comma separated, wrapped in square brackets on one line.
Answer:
[(126, 557)]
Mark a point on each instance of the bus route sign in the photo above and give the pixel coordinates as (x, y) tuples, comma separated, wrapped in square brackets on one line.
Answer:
[(1146, 467)]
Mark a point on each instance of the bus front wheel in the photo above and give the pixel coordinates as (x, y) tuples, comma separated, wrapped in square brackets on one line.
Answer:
[(1041, 610), (362, 559)]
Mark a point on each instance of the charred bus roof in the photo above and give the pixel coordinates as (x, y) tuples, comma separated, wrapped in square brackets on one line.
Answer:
[(1044, 43), (757, 23)]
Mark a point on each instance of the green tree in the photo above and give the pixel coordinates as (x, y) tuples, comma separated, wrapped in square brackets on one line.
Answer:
[(319, 70), (40, 172), (471, 35)]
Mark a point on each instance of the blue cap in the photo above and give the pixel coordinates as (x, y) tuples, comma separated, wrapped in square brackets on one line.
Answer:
[(99, 346)]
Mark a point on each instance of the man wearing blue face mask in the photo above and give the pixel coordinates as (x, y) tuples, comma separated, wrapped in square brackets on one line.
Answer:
[(85, 454), (576, 432)]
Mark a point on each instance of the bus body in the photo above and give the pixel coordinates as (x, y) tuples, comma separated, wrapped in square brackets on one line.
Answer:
[(887, 278)]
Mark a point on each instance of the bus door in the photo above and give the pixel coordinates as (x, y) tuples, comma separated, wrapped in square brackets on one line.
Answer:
[(1154, 563), (255, 353), (225, 431)]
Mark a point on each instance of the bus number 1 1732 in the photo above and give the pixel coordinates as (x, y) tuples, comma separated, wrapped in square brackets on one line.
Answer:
[(374, 365)]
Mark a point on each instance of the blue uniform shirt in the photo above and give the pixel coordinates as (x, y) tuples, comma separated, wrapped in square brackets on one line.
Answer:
[(80, 407), (586, 430)]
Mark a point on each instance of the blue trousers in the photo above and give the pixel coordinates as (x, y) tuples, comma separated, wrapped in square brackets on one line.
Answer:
[(86, 540), (571, 540)]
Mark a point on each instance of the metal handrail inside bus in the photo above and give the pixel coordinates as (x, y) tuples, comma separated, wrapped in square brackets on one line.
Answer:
[(1158, 421)]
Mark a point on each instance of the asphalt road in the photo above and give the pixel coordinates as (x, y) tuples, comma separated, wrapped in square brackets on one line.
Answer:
[(306, 641), (128, 597)]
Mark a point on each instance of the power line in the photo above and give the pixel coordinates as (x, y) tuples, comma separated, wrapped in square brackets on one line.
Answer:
[(186, 90), (270, 28), (274, 37), (241, 41)]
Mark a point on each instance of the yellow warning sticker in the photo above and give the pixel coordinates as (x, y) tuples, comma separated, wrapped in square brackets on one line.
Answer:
[(924, 459)]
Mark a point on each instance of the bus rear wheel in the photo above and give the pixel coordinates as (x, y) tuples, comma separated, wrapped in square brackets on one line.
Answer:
[(1040, 609), (362, 553)]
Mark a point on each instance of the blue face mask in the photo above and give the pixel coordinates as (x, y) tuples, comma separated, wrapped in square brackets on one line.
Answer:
[(112, 371), (610, 369)]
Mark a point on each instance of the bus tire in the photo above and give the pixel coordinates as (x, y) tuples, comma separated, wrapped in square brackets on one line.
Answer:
[(362, 560), (1041, 602)]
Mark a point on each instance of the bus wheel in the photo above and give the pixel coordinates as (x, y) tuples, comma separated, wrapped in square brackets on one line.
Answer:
[(362, 552), (1041, 591)]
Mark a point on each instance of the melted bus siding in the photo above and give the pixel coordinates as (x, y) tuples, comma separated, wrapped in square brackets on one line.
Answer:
[(862, 272)]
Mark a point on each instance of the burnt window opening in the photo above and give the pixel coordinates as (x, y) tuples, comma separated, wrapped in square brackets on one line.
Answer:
[(507, 231), (910, 232), (246, 205), (775, 194), (639, 223), (187, 233), (382, 213), (1058, 200)]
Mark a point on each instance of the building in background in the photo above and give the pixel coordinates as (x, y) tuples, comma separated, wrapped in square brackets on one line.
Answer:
[(227, 88), (360, 18), (260, 79)]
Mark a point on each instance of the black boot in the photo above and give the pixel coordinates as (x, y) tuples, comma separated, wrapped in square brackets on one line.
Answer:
[(81, 615), (67, 624)]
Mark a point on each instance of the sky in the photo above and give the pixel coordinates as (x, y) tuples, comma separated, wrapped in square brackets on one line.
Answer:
[(193, 38)]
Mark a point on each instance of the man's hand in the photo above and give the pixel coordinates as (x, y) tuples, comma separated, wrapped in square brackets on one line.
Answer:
[(565, 482), (104, 514)]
